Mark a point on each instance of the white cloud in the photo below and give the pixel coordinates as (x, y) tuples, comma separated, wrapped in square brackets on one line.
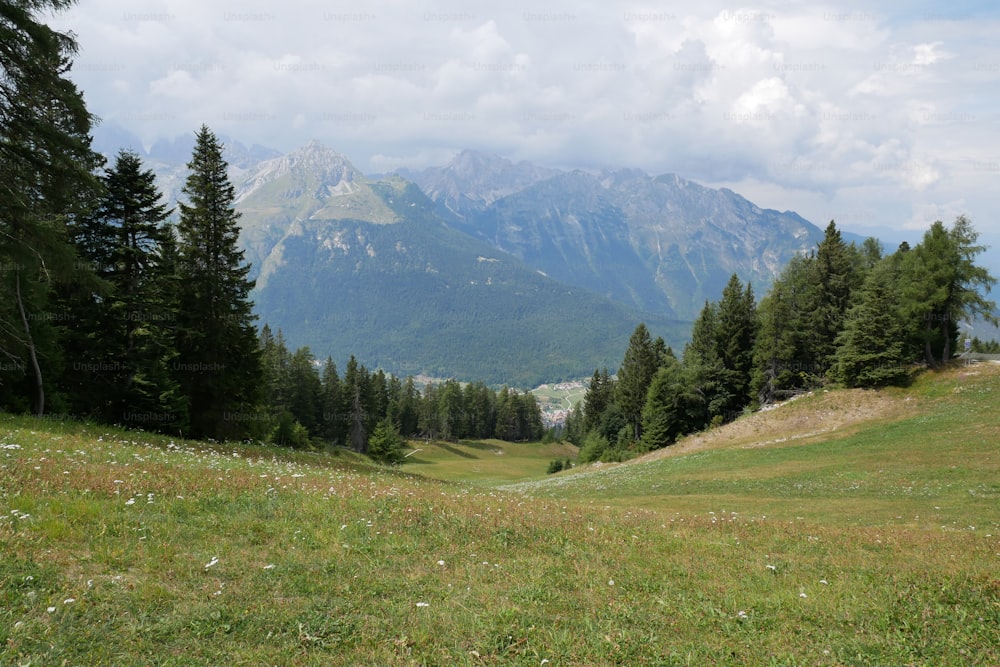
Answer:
[(827, 108)]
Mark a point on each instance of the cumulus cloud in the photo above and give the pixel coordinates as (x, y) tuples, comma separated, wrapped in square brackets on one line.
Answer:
[(824, 108)]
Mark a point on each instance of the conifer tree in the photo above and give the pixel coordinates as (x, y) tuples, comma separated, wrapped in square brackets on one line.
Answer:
[(943, 285), (356, 388), (46, 176), (871, 350), (305, 401), (634, 375), (386, 444), (783, 360), (703, 360), (408, 412), (836, 277), (598, 398), (334, 408), (674, 406), (218, 365), (125, 331)]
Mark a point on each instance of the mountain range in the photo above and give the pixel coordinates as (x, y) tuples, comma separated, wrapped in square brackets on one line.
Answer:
[(485, 269), (660, 244)]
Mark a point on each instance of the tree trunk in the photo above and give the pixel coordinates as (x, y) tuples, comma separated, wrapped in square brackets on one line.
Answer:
[(928, 352), (946, 350), (35, 368)]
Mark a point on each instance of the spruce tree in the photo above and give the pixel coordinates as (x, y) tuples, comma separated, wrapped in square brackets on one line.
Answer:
[(736, 334), (783, 358), (408, 411), (871, 350), (126, 331), (674, 406), (836, 277), (46, 176), (598, 398), (703, 360), (634, 375), (218, 365), (305, 401), (356, 387), (334, 408)]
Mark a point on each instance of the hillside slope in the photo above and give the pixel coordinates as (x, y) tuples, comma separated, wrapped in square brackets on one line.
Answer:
[(874, 456), (875, 543)]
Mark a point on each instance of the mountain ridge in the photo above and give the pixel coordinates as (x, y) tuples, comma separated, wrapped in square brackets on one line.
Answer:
[(653, 242)]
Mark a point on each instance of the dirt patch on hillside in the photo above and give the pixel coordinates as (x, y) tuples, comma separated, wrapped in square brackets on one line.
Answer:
[(811, 417)]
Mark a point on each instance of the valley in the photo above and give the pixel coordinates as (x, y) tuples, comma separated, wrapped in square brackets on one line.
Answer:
[(822, 532)]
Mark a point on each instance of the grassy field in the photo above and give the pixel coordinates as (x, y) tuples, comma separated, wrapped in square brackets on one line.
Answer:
[(484, 462), (841, 529)]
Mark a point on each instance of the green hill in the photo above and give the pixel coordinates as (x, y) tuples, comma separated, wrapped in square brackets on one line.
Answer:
[(841, 529)]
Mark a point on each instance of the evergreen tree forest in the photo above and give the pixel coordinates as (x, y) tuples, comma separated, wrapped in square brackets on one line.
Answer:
[(843, 314)]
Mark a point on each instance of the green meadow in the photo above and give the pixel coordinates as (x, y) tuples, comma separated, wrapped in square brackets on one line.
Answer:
[(843, 528)]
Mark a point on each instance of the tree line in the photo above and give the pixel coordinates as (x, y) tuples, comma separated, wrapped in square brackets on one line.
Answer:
[(306, 406), (841, 314)]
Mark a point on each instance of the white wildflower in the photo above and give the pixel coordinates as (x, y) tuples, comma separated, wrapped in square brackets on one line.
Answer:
[(212, 563)]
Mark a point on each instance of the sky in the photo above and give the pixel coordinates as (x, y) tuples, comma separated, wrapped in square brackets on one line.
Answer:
[(876, 115)]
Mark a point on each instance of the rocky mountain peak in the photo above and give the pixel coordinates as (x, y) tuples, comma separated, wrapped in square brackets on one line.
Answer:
[(473, 180), (314, 163)]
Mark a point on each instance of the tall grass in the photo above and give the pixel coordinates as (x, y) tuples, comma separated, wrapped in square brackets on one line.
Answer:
[(876, 548)]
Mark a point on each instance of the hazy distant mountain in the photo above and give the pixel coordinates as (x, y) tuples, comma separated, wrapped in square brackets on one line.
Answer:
[(168, 158), (472, 181), (658, 243), (349, 265)]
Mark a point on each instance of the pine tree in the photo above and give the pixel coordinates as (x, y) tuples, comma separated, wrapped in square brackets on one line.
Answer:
[(599, 396), (928, 272), (46, 176), (334, 408), (126, 329), (674, 406), (783, 359), (634, 375), (218, 365), (356, 388), (834, 282), (871, 350)]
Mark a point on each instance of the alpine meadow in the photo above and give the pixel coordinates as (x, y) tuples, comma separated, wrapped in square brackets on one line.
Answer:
[(267, 408)]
